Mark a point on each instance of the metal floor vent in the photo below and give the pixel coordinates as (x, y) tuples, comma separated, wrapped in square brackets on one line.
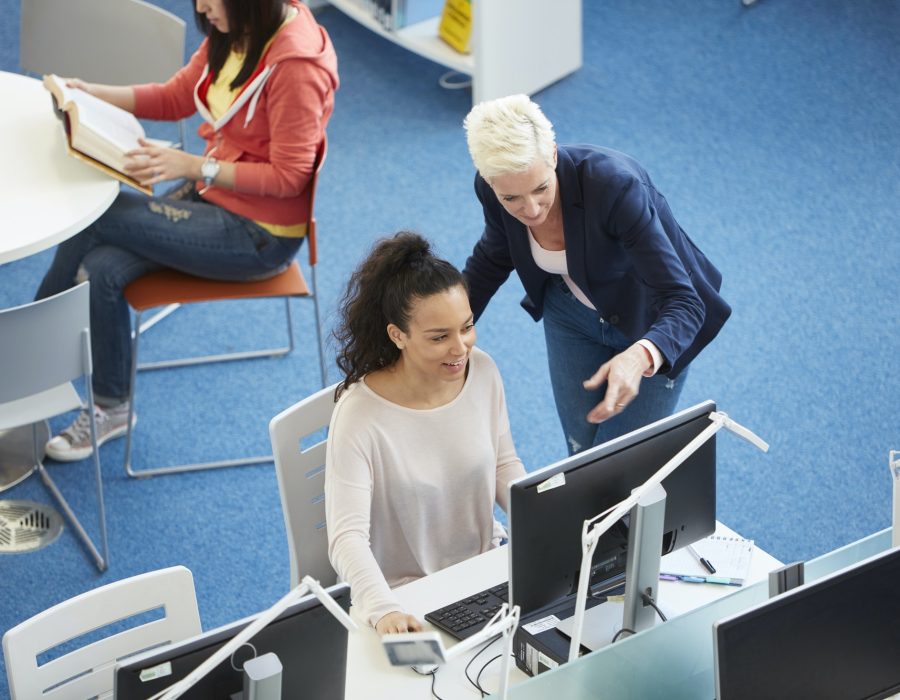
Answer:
[(26, 526)]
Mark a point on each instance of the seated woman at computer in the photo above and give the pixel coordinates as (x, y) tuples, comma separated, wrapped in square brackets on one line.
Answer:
[(627, 299), (263, 80), (419, 447)]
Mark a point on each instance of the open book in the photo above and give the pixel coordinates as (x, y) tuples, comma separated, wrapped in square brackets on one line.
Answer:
[(97, 132)]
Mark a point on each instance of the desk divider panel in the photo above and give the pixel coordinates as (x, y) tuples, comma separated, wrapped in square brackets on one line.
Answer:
[(675, 659)]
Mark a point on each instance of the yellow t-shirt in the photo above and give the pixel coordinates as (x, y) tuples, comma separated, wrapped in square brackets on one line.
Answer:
[(219, 98)]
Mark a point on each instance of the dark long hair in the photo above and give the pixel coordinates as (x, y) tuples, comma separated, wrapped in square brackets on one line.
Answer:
[(251, 23), (382, 290)]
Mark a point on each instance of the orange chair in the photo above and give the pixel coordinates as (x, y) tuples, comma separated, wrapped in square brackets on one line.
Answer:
[(169, 287)]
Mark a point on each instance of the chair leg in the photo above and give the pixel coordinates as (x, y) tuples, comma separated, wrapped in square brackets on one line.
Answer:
[(100, 560), (175, 469), (149, 323), (135, 341), (209, 359), (323, 371)]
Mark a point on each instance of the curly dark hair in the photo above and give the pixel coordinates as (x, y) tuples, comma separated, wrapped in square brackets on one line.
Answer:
[(399, 270)]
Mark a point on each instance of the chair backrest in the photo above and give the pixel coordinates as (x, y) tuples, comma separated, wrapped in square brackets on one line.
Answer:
[(87, 672), (45, 343), (301, 482), (120, 42), (312, 246)]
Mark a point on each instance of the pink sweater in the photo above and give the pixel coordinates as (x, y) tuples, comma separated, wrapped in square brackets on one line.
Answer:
[(409, 492), (273, 138)]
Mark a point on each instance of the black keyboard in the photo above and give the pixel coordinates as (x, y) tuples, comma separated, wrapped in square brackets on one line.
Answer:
[(464, 618)]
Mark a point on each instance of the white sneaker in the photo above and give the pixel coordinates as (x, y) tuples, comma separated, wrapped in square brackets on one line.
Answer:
[(74, 443)]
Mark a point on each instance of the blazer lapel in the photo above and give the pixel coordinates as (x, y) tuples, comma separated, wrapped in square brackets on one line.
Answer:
[(569, 191)]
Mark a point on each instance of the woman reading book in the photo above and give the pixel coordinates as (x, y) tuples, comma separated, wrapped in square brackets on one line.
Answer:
[(419, 447), (263, 80)]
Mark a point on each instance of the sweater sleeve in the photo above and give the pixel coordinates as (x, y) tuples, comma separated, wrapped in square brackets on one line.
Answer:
[(635, 221), (299, 95), (348, 500), (173, 99), (509, 466)]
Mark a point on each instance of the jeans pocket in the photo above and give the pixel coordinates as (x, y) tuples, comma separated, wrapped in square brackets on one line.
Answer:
[(614, 338), (273, 251), (262, 240)]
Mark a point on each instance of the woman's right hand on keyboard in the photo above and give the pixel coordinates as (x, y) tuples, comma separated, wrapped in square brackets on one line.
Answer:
[(397, 622)]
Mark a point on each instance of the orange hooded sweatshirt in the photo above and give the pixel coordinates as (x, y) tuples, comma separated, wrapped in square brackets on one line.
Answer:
[(274, 127)]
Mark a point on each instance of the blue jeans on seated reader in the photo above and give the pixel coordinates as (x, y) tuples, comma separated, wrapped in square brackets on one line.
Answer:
[(139, 234)]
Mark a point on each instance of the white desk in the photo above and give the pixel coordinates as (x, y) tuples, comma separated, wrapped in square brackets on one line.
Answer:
[(370, 676), (47, 196)]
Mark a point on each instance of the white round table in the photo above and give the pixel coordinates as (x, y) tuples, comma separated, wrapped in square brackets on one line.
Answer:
[(48, 196)]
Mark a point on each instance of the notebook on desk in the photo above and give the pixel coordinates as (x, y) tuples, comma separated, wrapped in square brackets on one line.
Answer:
[(729, 554)]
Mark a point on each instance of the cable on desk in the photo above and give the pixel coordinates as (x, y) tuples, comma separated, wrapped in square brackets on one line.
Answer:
[(488, 663), (648, 600), (433, 675), (616, 635), (471, 661)]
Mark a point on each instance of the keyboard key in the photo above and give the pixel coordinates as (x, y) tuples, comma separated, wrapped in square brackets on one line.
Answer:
[(465, 617)]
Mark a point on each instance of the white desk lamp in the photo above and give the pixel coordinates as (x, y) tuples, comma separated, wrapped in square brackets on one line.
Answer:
[(591, 533), (425, 649), (307, 585)]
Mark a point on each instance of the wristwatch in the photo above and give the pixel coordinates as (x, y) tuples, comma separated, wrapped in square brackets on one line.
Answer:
[(209, 170)]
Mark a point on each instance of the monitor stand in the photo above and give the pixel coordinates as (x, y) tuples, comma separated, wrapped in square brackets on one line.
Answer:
[(645, 532), (262, 678)]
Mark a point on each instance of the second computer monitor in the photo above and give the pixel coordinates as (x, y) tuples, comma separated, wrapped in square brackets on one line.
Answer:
[(309, 641), (837, 638), (548, 507)]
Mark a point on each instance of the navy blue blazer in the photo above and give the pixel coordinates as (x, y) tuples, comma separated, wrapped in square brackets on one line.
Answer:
[(624, 249)]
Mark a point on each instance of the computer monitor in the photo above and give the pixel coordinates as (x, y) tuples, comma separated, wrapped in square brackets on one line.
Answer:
[(308, 640), (838, 637), (548, 507)]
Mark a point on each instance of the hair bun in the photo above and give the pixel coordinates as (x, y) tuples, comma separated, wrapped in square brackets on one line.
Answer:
[(409, 250)]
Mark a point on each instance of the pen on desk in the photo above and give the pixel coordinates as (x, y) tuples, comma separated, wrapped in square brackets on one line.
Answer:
[(703, 560), (723, 580)]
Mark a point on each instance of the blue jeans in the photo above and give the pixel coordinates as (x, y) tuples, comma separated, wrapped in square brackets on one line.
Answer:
[(578, 343), (139, 234)]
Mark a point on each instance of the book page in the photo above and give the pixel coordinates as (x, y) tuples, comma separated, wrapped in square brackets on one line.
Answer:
[(97, 132), (112, 124), (120, 128), (57, 87)]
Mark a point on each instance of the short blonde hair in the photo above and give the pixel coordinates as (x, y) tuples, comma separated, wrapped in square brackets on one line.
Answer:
[(508, 135)]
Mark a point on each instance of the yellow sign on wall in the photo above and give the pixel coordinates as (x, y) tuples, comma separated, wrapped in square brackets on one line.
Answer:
[(456, 24)]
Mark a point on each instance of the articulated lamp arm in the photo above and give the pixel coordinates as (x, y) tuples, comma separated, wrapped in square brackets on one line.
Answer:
[(591, 533), (307, 585)]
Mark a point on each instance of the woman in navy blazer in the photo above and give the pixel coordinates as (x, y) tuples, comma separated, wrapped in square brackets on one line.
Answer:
[(626, 297)]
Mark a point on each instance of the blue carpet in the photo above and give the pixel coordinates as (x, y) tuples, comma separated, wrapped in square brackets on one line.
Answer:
[(772, 130)]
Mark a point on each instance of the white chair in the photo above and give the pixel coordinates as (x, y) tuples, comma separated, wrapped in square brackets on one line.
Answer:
[(88, 671), (301, 483), (44, 346), (124, 42)]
